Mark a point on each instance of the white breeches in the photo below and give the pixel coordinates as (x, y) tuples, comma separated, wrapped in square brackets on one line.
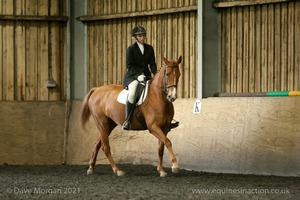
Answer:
[(131, 90)]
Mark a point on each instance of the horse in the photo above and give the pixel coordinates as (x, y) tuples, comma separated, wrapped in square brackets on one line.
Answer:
[(157, 109)]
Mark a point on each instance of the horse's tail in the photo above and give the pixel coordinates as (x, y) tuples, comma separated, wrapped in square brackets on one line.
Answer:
[(85, 111)]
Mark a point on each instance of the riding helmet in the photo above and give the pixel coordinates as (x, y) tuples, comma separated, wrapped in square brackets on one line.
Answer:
[(138, 30)]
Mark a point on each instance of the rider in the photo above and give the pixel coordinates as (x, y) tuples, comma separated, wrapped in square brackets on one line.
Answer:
[(140, 60)]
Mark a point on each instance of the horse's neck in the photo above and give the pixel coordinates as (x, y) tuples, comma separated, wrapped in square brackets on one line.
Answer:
[(158, 79), (158, 84)]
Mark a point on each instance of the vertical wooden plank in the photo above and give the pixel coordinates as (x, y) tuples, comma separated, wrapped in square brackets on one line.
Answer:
[(193, 41), (239, 75), (290, 50), (165, 35), (96, 42), (64, 49), (31, 53), (195, 92), (187, 54), (125, 35), (56, 52), (148, 27), (180, 42), (230, 39), (186, 79), (124, 6), (270, 47), (105, 47), (120, 64), (1, 53), (143, 6), (8, 54), (234, 50), (224, 56), (264, 48), (149, 5), (110, 45), (101, 54), (42, 53), (90, 60), (159, 52), (245, 79), (115, 39), (132, 5), (95, 54), (258, 41), (169, 33), (284, 47), (89, 47), (297, 46), (193, 2), (277, 49), (169, 3), (154, 28), (101, 47), (20, 43), (251, 49), (109, 52)]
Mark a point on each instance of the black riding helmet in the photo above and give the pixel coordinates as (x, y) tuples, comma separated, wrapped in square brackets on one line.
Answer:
[(138, 30)]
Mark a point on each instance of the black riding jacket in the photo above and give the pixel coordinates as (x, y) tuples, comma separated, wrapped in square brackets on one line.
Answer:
[(138, 63)]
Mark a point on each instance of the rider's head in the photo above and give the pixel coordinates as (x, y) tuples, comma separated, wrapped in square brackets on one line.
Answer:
[(139, 33)]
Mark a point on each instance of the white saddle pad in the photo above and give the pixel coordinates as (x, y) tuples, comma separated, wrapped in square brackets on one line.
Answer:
[(122, 97)]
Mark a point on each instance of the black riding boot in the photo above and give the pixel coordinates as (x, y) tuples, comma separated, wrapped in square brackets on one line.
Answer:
[(129, 109), (174, 124)]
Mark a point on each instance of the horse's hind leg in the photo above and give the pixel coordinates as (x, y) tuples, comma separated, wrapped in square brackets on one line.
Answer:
[(94, 156), (160, 168), (106, 150)]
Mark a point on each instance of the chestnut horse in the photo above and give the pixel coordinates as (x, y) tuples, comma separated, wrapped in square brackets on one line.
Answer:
[(157, 109)]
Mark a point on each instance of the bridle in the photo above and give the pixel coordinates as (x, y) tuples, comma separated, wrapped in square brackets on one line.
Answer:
[(166, 86)]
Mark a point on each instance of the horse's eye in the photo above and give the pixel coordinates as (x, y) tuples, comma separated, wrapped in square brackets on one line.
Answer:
[(167, 74)]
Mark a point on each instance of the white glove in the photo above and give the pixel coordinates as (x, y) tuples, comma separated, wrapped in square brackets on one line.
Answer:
[(141, 78)]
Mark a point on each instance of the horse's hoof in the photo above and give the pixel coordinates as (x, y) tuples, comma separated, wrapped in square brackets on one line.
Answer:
[(120, 173), (163, 174), (89, 172), (175, 170)]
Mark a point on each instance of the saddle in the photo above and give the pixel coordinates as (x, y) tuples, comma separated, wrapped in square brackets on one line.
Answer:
[(140, 95)]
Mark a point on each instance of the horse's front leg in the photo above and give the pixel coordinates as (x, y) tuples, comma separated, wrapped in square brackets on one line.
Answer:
[(157, 132), (160, 169), (92, 162)]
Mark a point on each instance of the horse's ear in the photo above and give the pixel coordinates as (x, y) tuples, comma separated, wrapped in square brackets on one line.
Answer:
[(179, 59), (165, 60)]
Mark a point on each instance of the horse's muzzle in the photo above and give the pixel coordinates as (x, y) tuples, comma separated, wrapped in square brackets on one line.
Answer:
[(171, 96), (171, 99)]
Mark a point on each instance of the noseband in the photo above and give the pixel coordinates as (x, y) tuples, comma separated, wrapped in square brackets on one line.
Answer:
[(166, 86)]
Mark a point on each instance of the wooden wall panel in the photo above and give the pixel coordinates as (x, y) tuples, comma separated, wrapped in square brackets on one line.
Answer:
[(172, 34), (259, 46), (32, 46)]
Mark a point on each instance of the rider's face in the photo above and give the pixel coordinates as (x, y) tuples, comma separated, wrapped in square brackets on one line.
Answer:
[(141, 38)]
